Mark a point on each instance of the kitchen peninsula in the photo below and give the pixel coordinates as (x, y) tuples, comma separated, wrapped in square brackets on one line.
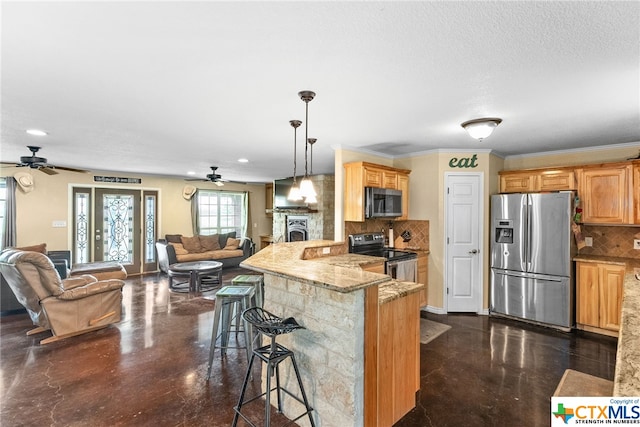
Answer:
[(359, 354)]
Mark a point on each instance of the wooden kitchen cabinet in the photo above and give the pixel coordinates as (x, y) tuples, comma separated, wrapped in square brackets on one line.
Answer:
[(398, 358), (537, 180), (636, 192), (377, 267), (555, 180), (372, 177), (403, 185), (390, 180), (606, 194), (423, 277), (358, 175), (599, 297), (516, 182)]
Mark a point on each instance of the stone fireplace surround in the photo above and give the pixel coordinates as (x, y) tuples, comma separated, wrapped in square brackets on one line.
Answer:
[(320, 222)]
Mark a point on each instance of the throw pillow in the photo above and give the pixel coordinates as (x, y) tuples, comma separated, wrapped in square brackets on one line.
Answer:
[(180, 250), (173, 238), (222, 238), (192, 244), (232, 244), (210, 243), (42, 248)]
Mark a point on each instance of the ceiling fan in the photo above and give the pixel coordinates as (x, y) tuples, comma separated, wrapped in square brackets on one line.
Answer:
[(40, 163), (215, 178)]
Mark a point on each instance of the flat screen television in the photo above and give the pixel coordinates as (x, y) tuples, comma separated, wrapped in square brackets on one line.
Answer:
[(281, 189)]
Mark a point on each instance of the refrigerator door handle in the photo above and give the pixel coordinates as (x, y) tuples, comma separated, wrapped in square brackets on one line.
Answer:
[(521, 274), (529, 239)]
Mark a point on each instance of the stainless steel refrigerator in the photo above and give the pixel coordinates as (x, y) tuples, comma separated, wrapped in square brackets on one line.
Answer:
[(532, 248)]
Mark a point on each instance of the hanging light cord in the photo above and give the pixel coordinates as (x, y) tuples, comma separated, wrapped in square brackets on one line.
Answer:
[(294, 124), (311, 142), (306, 135)]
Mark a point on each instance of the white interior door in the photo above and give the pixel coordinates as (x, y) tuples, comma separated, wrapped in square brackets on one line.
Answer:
[(463, 241)]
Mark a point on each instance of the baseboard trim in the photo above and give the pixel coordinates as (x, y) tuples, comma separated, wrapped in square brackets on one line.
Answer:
[(435, 310)]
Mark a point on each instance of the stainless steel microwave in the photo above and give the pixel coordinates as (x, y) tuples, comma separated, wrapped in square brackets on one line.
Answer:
[(382, 203)]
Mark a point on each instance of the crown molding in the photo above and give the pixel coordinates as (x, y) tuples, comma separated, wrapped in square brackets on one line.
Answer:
[(574, 150), (415, 153)]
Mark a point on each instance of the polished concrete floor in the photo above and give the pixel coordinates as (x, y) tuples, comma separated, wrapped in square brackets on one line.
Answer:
[(150, 369)]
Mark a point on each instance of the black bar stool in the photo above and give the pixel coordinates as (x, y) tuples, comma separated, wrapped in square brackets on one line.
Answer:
[(272, 354)]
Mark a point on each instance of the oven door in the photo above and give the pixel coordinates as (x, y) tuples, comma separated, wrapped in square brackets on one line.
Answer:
[(405, 270)]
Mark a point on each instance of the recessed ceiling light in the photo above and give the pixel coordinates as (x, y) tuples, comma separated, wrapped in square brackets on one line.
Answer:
[(243, 160), (36, 132), (191, 173)]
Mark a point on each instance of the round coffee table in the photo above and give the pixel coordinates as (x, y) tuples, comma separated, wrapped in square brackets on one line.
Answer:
[(196, 270)]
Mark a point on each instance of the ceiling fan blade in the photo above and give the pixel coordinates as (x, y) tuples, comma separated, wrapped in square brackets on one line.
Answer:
[(64, 168), (197, 179), (47, 170)]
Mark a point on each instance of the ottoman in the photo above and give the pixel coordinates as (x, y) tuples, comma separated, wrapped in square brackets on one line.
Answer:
[(101, 270)]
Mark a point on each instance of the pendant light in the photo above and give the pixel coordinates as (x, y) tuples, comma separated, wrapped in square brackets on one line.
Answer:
[(306, 186), (311, 141), (294, 192)]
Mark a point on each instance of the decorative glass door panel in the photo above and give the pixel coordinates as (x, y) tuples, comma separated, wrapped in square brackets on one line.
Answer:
[(118, 231), (112, 224), (150, 230)]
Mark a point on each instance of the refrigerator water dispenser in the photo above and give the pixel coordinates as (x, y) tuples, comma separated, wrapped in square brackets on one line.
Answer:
[(504, 231)]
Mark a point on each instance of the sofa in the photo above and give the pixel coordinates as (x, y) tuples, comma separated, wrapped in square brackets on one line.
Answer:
[(224, 248)]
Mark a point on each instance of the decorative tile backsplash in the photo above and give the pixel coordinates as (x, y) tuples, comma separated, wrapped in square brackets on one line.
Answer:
[(616, 241), (419, 230)]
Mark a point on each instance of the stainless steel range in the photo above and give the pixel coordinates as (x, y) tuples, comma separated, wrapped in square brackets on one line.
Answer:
[(400, 265)]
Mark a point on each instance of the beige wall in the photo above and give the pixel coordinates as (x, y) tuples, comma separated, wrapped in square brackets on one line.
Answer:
[(50, 201), (426, 202)]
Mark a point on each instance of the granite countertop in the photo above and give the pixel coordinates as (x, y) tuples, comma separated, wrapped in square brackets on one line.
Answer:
[(349, 260), (342, 273), (394, 289), (630, 263), (331, 272), (626, 380)]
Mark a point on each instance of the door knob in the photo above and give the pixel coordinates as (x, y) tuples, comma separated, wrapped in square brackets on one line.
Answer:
[(475, 251)]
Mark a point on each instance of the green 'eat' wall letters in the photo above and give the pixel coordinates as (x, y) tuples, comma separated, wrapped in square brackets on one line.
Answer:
[(464, 162)]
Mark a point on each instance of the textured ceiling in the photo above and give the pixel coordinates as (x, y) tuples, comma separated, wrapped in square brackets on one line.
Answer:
[(168, 87)]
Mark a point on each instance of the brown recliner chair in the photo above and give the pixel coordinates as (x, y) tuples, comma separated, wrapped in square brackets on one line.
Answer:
[(66, 307)]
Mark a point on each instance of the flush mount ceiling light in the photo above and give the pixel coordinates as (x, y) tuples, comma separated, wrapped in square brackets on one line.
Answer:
[(481, 128), (36, 132), (243, 160)]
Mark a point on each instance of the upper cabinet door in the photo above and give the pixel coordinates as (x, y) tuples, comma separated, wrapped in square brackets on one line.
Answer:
[(518, 183), (636, 191), (390, 180), (557, 181), (372, 177), (606, 195), (403, 185)]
